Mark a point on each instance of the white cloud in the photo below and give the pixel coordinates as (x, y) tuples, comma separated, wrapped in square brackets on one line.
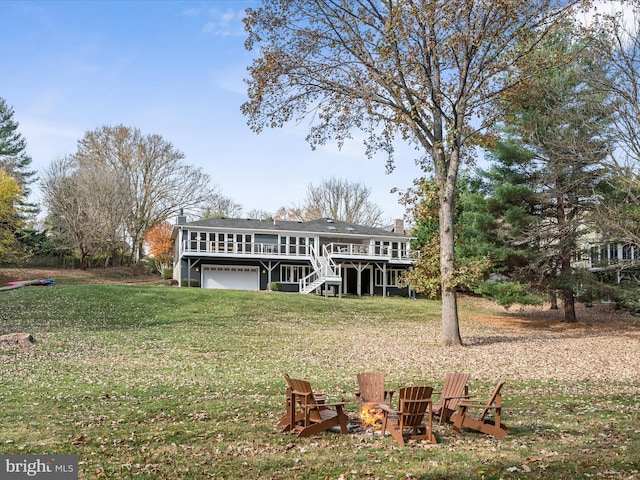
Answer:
[(607, 8), (225, 23), (191, 12)]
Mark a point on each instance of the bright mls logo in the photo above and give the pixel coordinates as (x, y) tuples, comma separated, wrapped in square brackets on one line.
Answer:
[(45, 467)]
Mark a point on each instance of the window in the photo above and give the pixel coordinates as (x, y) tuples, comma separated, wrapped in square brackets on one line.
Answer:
[(198, 241), (295, 245), (613, 252), (382, 248), (243, 242), (293, 273), (603, 255)]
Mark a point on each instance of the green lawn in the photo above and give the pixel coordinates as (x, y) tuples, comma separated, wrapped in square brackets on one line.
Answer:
[(177, 383)]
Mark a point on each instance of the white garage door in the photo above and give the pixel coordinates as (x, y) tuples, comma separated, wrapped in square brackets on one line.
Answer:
[(231, 277)]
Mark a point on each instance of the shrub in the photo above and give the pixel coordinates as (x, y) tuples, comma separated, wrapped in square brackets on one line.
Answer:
[(167, 273), (274, 286), (507, 293), (194, 283)]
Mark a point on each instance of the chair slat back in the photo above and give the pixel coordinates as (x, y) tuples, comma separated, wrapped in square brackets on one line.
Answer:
[(413, 403), (495, 399), (454, 387), (371, 387), (303, 392)]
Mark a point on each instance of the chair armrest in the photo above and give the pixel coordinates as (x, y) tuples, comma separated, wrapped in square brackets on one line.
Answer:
[(336, 404), (477, 405), (386, 408), (461, 396)]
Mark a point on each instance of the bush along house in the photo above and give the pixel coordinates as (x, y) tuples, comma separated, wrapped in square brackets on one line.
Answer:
[(323, 256)]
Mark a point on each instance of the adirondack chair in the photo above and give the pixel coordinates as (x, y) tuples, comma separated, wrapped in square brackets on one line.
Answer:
[(413, 404), (286, 418), (371, 389), (482, 422), (307, 416), (454, 390)]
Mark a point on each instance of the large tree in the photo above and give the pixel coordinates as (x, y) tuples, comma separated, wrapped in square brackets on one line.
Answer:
[(422, 71), (87, 210), (561, 121), (339, 199), (218, 206), (618, 38), (157, 182), (14, 159)]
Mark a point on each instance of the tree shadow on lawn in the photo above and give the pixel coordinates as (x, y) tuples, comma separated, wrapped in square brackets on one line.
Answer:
[(600, 318)]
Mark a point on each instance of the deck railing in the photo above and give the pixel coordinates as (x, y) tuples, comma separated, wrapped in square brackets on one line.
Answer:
[(330, 250)]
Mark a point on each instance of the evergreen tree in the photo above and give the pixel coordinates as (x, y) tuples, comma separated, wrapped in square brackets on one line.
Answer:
[(14, 159), (556, 131)]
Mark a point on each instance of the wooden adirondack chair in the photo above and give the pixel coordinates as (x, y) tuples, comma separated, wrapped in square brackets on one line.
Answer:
[(454, 390), (482, 422), (286, 418), (371, 389), (307, 416), (413, 404)]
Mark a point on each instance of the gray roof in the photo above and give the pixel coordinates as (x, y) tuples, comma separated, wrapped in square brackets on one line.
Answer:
[(322, 226)]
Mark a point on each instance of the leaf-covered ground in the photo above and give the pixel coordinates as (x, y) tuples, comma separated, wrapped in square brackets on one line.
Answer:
[(173, 383)]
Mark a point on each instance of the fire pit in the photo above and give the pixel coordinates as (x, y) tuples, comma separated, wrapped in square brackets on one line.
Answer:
[(368, 421), (371, 416)]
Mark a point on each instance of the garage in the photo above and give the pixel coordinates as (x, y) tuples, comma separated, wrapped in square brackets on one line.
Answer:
[(231, 277)]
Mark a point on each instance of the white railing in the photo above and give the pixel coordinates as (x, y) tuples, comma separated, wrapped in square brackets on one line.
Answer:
[(330, 251), (245, 248), (365, 250), (324, 269), (610, 263)]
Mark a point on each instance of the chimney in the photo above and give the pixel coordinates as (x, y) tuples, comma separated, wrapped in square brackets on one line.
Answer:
[(398, 226), (181, 220)]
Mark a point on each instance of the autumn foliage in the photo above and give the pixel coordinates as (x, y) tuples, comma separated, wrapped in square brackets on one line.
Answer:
[(10, 222), (160, 245)]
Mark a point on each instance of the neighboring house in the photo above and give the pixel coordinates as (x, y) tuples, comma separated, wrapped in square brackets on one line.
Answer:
[(612, 261), (323, 256)]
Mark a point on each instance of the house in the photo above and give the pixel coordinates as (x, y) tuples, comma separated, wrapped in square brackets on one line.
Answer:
[(323, 256), (612, 261)]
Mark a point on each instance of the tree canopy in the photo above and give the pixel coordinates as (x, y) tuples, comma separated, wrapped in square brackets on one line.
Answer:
[(118, 184), (420, 71), (563, 120), (14, 159), (339, 199)]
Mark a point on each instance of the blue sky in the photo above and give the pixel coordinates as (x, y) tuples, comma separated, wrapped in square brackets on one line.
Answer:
[(173, 68)]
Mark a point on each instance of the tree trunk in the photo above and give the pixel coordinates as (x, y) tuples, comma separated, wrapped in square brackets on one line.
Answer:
[(450, 326), (569, 306), (566, 248), (554, 301)]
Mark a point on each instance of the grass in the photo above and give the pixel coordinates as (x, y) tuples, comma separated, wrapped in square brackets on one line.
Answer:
[(166, 383)]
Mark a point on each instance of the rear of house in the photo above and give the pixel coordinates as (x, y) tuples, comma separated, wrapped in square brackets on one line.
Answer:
[(321, 256)]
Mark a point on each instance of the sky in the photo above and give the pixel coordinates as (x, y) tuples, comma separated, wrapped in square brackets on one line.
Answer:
[(173, 68)]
